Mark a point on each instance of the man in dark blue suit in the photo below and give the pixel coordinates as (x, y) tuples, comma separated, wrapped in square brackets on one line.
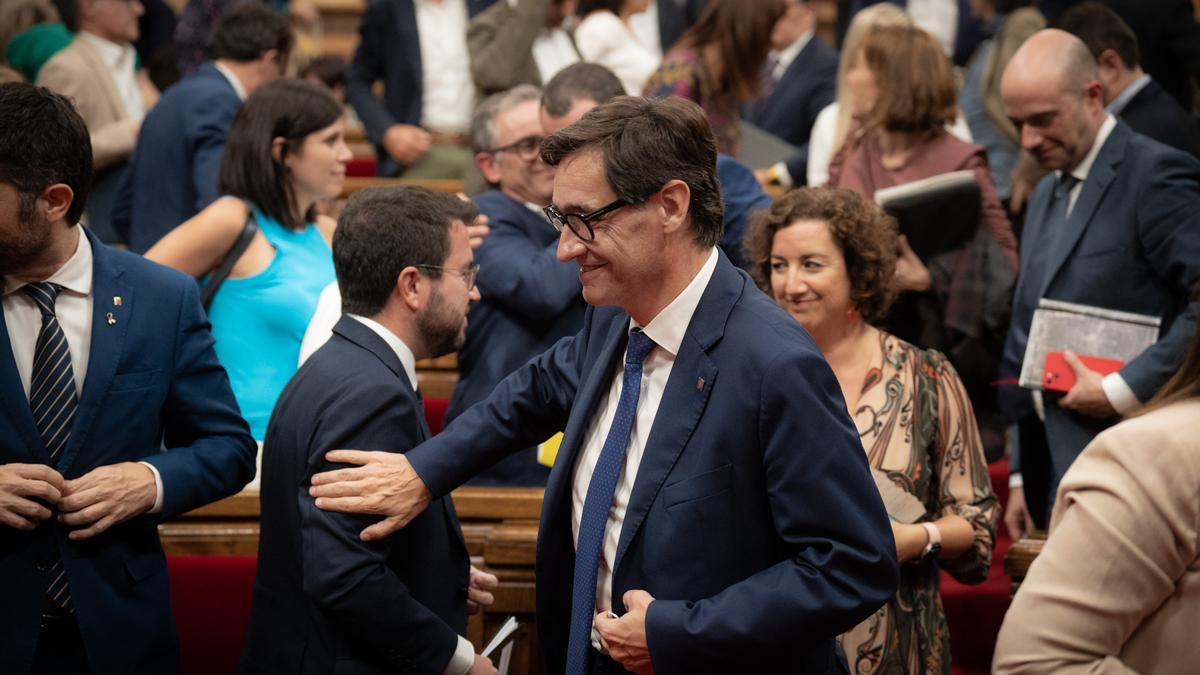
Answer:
[(530, 300), (1116, 225), (1129, 92), (803, 81), (116, 415), (391, 51), (324, 600), (710, 509), (173, 174)]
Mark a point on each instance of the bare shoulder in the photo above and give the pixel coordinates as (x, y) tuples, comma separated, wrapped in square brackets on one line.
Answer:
[(326, 226)]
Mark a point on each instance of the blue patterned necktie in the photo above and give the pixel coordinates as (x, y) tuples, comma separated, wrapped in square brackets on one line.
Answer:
[(598, 503), (53, 400)]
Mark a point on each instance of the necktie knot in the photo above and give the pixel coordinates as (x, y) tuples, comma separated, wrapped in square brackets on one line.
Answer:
[(43, 294), (640, 346), (1066, 183)]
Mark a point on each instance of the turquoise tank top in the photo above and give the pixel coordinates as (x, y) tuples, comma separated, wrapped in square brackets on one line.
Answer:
[(258, 321)]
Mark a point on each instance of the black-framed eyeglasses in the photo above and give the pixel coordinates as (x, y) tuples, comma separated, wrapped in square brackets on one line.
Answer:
[(527, 148), (468, 274), (580, 224)]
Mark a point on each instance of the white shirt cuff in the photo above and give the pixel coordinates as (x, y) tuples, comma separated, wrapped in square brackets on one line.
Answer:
[(783, 175), (1122, 398), (1015, 481), (158, 489), (463, 659)]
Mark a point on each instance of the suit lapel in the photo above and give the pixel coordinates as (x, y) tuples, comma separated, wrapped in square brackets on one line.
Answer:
[(406, 34), (596, 385), (687, 392), (1100, 176), (108, 340), (16, 404)]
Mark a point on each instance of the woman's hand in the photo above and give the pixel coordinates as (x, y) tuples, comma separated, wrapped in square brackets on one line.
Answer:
[(910, 541), (911, 274)]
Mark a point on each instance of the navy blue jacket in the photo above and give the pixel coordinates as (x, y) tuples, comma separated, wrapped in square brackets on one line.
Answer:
[(1152, 112), (173, 173), (324, 600), (1131, 243), (389, 51), (742, 196), (152, 381), (529, 301), (753, 521), (805, 88)]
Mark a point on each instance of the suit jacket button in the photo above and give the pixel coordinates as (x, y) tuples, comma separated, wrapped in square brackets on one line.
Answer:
[(41, 567)]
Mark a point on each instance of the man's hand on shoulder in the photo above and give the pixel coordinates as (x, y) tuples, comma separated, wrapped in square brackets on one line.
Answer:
[(1087, 397), (106, 496), (383, 484), (22, 489), (625, 637)]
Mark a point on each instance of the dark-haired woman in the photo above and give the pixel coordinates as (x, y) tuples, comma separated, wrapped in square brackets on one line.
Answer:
[(604, 37), (719, 63), (1116, 589), (828, 258), (285, 152)]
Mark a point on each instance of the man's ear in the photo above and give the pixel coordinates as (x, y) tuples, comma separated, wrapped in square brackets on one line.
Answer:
[(486, 162), (676, 198), (412, 288), (58, 198)]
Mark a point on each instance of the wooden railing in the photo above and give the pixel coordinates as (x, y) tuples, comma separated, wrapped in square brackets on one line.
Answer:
[(499, 527)]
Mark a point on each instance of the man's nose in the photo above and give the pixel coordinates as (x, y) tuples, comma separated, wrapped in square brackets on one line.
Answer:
[(569, 245), (1030, 138)]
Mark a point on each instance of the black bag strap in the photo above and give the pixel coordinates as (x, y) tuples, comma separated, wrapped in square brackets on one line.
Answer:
[(239, 247)]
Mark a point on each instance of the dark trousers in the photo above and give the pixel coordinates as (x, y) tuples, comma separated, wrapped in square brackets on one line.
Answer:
[(60, 648), (603, 665)]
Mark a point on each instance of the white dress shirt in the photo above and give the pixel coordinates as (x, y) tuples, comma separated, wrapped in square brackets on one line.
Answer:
[(553, 50), (73, 308), (238, 87), (464, 653), (666, 330), (602, 38), (448, 94), (119, 60), (646, 27), (939, 18)]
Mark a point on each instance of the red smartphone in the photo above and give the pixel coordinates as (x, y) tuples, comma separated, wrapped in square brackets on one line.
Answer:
[(1058, 376)]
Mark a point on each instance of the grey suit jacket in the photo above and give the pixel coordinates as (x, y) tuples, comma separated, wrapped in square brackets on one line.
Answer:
[(500, 41)]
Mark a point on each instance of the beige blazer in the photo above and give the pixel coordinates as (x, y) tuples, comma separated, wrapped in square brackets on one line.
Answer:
[(1117, 587), (79, 73)]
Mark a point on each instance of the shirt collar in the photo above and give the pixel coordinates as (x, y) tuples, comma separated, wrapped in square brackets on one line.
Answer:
[(402, 351), (667, 329), (1118, 104), (789, 54), (111, 53), (238, 87), (1081, 171), (75, 275)]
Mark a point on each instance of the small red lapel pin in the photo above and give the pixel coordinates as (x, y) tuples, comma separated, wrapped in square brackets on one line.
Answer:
[(700, 384)]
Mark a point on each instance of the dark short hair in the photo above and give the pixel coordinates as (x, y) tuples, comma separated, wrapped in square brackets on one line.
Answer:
[(250, 30), (1100, 28), (381, 231), (645, 143), (862, 230), (577, 82), (43, 141), (917, 89), (288, 109), (330, 69), (68, 11), (585, 7)]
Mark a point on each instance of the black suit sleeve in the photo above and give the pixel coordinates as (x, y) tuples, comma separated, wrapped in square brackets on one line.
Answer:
[(349, 579), (367, 68)]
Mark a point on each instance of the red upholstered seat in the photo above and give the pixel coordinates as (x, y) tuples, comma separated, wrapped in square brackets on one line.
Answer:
[(211, 596), (976, 612), (361, 167)]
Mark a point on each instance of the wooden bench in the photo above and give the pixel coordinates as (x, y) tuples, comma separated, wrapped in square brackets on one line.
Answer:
[(499, 527)]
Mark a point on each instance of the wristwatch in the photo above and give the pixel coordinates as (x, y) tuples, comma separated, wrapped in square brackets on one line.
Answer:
[(934, 546)]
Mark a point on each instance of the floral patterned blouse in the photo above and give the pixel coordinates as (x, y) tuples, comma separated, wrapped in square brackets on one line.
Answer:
[(682, 73), (917, 426)]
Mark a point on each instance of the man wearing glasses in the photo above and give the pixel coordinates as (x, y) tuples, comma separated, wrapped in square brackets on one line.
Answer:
[(530, 300), (711, 509), (325, 601)]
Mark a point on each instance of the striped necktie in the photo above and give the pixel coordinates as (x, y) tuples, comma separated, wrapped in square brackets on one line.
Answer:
[(53, 400)]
